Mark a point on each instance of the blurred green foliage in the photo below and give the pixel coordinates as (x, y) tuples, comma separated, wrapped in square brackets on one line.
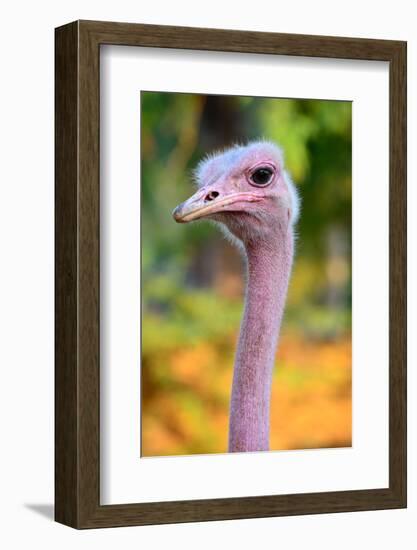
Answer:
[(192, 279)]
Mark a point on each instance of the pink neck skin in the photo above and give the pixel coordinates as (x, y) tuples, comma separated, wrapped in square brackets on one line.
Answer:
[(268, 271)]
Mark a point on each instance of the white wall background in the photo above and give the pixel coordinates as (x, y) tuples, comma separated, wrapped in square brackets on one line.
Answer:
[(26, 272)]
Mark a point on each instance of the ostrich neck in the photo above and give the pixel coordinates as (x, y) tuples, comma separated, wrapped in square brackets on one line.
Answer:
[(268, 270)]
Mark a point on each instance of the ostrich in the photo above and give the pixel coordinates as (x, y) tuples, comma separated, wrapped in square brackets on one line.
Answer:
[(247, 191)]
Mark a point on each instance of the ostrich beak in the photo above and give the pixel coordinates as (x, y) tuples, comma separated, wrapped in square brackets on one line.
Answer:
[(209, 201)]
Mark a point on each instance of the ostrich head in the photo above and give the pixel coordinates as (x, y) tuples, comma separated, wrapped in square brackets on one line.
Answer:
[(247, 190)]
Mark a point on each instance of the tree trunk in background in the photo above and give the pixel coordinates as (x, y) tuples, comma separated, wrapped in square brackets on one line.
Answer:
[(337, 267)]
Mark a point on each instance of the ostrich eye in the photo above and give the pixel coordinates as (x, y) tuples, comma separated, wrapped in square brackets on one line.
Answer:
[(262, 176)]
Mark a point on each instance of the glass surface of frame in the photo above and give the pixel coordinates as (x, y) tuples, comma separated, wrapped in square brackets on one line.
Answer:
[(127, 476)]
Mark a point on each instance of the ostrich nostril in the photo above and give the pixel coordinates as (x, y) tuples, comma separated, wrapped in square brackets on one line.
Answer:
[(211, 196)]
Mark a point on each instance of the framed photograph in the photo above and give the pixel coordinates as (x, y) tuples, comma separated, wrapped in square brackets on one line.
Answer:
[(230, 274)]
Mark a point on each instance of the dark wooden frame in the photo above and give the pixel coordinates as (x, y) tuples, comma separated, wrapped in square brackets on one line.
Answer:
[(77, 274)]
